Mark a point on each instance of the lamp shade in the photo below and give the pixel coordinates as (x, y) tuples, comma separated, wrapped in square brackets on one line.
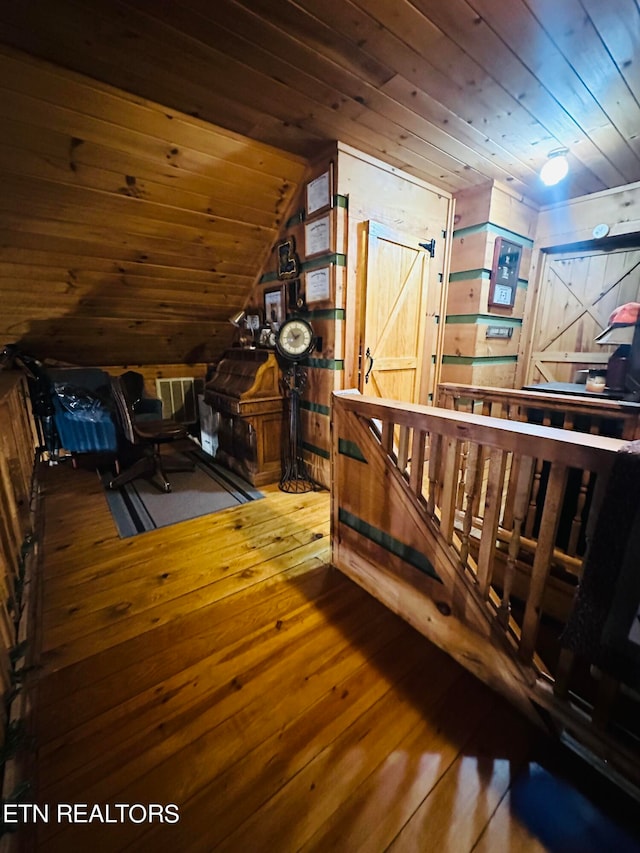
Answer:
[(237, 318)]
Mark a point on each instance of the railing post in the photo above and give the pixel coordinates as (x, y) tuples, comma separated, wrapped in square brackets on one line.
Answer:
[(492, 507), (542, 560)]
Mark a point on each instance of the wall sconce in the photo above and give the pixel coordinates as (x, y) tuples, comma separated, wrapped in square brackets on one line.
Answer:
[(237, 318), (556, 167)]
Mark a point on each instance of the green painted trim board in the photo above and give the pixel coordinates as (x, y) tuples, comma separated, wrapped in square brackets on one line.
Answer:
[(476, 360), (399, 549), (481, 320), (499, 231)]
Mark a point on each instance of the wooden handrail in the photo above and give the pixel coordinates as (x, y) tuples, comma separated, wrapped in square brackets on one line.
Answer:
[(619, 417), (464, 525), (488, 431), (17, 454)]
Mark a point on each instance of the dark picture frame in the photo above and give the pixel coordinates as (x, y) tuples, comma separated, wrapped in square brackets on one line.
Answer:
[(288, 265), (274, 306), (295, 295), (505, 269)]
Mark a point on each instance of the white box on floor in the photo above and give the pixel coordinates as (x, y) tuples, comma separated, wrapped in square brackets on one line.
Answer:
[(208, 427)]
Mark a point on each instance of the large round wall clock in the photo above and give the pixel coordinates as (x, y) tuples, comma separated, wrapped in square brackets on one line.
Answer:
[(295, 339)]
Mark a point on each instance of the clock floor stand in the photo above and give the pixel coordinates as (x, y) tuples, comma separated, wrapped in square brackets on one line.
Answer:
[(295, 476), (295, 341)]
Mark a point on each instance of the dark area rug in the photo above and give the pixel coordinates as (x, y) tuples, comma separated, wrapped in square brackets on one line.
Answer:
[(140, 506)]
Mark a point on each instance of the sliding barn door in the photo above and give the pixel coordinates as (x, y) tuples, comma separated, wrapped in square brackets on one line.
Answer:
[(578, 292), (392, 342)]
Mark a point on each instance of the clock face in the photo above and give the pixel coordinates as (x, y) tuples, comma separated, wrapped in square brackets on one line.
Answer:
[(295, 339)]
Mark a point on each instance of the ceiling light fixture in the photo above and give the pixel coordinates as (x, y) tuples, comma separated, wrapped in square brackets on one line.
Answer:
[(555, 168)]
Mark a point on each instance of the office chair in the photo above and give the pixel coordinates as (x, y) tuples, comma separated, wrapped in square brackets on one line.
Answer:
[(142, 425)]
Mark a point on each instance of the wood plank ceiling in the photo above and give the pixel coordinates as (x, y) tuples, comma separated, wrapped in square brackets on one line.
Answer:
[(129, 232), (457, 92)]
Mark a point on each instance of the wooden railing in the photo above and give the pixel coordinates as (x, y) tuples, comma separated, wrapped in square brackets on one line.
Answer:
[(473, 529), (600, 416), (17, 449)]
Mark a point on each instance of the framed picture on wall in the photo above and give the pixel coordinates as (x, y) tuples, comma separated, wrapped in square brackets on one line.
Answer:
[(274, 306), (319, 193), (318, 285), (317, 236), (504, 273), (288, 264)]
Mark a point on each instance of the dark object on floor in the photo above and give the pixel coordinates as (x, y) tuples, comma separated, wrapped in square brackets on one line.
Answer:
[(145, 431)]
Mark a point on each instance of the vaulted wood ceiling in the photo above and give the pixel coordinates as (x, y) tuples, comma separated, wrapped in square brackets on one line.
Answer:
[(128, 225), (129, 232), (454, 91)]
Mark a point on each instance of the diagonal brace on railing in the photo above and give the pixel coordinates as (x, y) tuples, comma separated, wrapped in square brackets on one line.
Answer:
[(470, 605), (472, 583)]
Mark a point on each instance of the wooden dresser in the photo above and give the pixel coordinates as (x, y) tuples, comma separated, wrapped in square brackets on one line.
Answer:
[(244, 392)]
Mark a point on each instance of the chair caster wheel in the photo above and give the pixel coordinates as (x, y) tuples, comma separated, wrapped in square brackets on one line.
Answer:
[(167, 488)]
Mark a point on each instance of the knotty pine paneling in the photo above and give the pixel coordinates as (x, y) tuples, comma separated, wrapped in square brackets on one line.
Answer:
[(560, 228), (482, 215), (362, 189), (456, 94), (408, 207), (573, 221), (130, 232), (324, 369)]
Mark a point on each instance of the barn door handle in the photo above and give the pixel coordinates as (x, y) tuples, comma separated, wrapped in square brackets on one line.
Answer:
[(369, 366)]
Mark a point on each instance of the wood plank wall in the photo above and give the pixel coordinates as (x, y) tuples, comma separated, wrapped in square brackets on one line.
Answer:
[(362, 189), (409, 207), (573, 221), (130, 232), (483, 214), (566, 226), (325, 365), (151, 372)]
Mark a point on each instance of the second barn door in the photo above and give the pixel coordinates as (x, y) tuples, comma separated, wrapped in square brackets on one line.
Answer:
[(397, 337), (578, 291)]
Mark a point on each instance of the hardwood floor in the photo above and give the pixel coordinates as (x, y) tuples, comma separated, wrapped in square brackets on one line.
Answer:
[(223, 666)]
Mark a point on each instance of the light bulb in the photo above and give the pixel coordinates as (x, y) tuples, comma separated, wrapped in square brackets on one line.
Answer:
[(555, 169)]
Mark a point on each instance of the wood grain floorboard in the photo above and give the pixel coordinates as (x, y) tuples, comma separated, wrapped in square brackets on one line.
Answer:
[(223, 665)]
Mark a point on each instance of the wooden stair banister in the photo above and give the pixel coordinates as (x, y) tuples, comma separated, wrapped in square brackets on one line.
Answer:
[(425, 532), (599, 416), (18, 547)]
